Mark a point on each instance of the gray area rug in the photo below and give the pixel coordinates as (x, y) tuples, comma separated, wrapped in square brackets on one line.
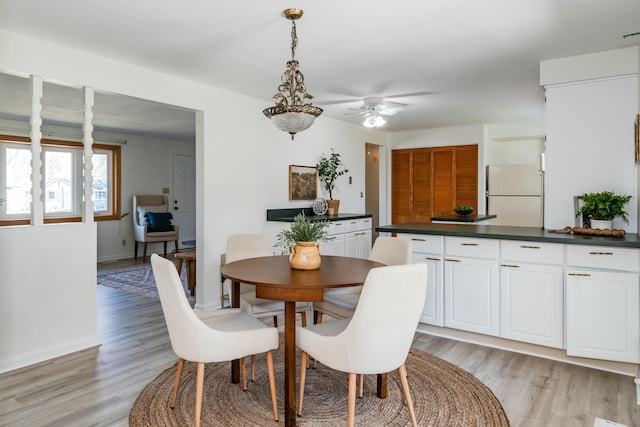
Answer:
[(137, 279)]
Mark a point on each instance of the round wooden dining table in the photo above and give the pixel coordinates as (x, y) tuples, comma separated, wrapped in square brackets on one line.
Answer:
[(274, 279)]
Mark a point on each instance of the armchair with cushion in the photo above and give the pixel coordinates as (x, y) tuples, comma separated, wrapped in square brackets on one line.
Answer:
[(152, 222)]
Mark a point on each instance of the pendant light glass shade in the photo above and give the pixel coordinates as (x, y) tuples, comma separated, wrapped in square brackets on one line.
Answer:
[(373, 120), (291, 114)]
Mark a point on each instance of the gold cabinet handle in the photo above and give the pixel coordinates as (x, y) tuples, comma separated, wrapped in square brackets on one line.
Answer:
[(580, 274), (470, 244), (419, 240), (529, 247), (600, 253), (510, 265), (432, 259), (452, 260)]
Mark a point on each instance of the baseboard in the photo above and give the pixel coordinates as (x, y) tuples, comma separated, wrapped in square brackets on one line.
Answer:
[(42, 355), (557, 354)]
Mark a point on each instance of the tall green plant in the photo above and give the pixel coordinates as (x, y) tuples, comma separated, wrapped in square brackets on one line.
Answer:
[(605, 205), (302, 230), (329, 169)]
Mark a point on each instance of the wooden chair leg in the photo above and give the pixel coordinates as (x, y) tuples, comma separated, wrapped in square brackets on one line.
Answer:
[(303, 318), (361, 386), (402, 371), (144, 253), (303, 377), (351, 399), (179, 266), (272, 384), (199, 388), (135, 250), (243, 374), (176, 242), (165, 248), (172, 403)]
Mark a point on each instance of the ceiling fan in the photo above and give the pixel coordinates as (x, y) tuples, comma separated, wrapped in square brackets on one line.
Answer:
[(373, 108)]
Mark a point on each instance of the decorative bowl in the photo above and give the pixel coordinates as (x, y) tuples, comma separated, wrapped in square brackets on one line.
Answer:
[(463, 212)]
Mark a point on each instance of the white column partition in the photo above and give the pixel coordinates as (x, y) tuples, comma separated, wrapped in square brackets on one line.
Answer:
[(87, 140), (37, 202)]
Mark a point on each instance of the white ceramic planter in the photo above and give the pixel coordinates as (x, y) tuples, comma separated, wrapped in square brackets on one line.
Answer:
[(602, 224)]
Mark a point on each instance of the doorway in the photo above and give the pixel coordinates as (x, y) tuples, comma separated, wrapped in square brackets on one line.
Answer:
[(373, 187), (184, 197)]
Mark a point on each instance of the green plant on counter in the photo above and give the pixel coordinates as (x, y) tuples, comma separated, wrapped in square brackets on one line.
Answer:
[(605, 205), (302, 230), (464, 208), (329, 169)]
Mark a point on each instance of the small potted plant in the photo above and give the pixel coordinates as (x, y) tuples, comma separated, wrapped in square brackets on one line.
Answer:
[(329, 169), (301, 241), (603, 206)]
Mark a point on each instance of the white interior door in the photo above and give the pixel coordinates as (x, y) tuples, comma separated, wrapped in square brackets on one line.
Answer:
[(184, 197)]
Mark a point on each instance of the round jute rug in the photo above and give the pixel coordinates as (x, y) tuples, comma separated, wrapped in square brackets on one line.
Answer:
[(443, 395)]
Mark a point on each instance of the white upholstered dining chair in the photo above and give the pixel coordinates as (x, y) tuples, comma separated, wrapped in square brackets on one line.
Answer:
[(211, 336), (341, 303), (243, 246), (377, 338)]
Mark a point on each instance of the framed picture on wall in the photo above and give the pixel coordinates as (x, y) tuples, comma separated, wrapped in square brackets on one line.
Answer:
[(303, 182)]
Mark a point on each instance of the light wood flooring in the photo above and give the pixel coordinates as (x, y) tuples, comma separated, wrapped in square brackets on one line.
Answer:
[(97, 387)]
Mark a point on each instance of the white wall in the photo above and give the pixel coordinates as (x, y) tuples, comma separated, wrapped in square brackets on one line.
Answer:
[(48, 292), (592, 101), (242, 169)]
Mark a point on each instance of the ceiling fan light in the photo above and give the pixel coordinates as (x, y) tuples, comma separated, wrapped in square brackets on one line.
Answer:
[(373, 121)]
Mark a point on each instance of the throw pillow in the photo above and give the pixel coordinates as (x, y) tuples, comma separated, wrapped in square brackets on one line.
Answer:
[(159, 221), (142, 211)]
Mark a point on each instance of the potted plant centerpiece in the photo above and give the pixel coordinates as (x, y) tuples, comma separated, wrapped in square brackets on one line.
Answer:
[(329, 169), (603, 206), (301, 242)]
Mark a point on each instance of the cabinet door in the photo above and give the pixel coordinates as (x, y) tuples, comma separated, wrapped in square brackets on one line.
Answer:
[(443, 194), (466, 175), (333, 246), (364, 244), (532, 303), (471, 295), (603, 316), (421, 185), (351, 244), (400, 186), (434, 302)]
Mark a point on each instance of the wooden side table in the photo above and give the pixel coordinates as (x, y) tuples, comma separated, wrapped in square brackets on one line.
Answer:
[(190, 258)]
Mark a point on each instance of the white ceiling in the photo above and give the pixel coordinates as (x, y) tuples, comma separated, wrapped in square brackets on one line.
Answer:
[(469, 61)]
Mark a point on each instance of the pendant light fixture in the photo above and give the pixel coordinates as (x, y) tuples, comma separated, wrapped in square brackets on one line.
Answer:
[(291, 114), (373, 120)]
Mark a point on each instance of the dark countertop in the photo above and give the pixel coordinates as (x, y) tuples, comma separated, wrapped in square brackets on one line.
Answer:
[(287, 215), (510, 233), (466, 218)]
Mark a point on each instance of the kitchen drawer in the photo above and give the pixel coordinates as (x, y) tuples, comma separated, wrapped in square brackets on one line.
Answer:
[(471, 247), (532, 252), (351, 225), (424, 243), (336, 227), (364, 224), (603, 257)]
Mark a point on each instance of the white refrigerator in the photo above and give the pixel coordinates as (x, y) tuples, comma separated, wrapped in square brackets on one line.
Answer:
[(515, 194)]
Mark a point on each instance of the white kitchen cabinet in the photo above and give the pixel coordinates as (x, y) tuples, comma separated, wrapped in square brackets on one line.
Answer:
[(531, 292), (471, 295), (333, 246), (471, 285), (357, 239), (532, 303), (429, 250), (603, 316)]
